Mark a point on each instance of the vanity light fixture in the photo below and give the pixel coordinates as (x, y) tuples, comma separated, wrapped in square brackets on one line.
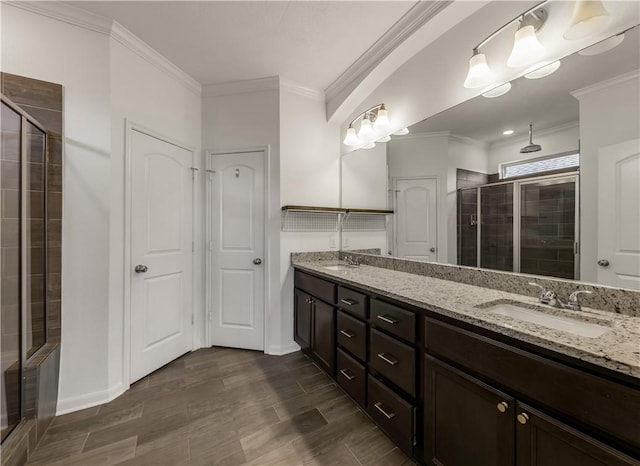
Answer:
[(374, 124), (479, 72), (589, 17), (526, 47), (602, 46), (543, 71), (371, 145), (384, 139), (401, 132), (497, 91)]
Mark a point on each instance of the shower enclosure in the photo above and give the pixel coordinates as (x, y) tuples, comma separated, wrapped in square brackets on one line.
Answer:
[(528, 225), (23, 254)]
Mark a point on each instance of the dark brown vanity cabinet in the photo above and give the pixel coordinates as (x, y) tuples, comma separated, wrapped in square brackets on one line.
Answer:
[(469, 421), (314, 318)]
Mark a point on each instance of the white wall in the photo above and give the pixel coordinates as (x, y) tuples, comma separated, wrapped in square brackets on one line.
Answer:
[(143, 94), (609, 114), (564, 138), (309, 175), (364, 178), (39, 47)]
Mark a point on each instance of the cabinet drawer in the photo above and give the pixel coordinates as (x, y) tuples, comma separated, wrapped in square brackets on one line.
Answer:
[(607, 406), (316, 286), (394, 319), (393, 414), (353, 302), (394, 360), (352, 335), (352, 377)]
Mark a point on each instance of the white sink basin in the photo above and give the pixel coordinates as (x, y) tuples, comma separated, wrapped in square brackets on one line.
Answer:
[(565, 324), (339, 267)]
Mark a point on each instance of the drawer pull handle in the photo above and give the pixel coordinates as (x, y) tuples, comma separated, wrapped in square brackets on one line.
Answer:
[(348, 333), (349, 302), (387, 319), (523, 418), (503, 406), (345, 372), (378, 406), (388, 358)]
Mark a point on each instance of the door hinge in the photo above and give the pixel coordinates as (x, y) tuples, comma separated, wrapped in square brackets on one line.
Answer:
[(193, 172), (193, 320)]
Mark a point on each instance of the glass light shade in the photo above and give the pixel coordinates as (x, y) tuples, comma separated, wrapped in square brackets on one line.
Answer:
[(526, 48), (589, 17), (402, 132), (371, 145), (384, 139), (366, 130), (498, 91), (602, 47), (351, 139), (543, 71), (479, 74), (382, 120)]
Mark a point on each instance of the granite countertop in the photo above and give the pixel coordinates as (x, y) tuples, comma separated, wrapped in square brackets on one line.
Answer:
[(617, 349)]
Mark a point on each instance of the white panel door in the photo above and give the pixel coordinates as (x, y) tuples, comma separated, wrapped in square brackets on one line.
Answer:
[(619, 215), (237, 237), (416, 218), (161, 235)]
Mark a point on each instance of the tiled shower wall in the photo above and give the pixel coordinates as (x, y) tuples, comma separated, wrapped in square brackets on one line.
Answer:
[(466, 180), (44, 102)]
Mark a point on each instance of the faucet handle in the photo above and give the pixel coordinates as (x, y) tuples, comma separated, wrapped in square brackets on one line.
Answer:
[(574, 298), (546, 296)]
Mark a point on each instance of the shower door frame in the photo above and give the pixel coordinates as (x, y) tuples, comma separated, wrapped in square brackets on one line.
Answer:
[(517, 183)]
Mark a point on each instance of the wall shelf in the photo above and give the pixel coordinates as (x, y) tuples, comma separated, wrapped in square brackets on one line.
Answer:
[(339, 210), (314, 218)]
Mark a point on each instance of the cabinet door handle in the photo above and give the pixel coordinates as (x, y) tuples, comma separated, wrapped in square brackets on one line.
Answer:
[(348, 333), (523, 418), (387, 319), (348, 302), (345, 372), (388, 358), (378, 406), (503, 406)]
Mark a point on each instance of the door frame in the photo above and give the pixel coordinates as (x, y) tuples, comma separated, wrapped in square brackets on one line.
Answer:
[(131, 126), (266, 154), (394, 200)]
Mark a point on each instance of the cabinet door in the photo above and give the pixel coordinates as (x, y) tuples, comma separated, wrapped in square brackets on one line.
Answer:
[(466, 421), (323, 344), (302, 319), (545, 441)]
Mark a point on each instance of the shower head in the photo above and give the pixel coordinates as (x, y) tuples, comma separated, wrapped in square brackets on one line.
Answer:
[(531, 147)]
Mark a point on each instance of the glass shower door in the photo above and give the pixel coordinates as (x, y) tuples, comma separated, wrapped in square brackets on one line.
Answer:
[(548, 228), (496, 226)]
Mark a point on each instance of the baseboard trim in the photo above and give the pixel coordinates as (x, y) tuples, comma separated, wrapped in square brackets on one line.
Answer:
[(88, 400), (276, 350)]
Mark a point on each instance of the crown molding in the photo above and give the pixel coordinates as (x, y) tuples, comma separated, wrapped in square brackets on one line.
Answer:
[(542, 132), (435, 134), (469, 141), (66, 13), (308, 92), (410, 22), (579, 93), (146, 52), (241, 87)]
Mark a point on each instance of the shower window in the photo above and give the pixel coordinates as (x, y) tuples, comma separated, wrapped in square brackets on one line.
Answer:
[(540, 165), (23, 254)]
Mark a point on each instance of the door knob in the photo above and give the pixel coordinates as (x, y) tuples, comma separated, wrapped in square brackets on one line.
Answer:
[(432, 249), (141, 268), (603, 263), (257, 261)]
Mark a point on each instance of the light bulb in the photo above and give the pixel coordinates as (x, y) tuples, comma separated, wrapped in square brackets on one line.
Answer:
[(526, 48), (543, 71), (351, 139), (366, 130), (402, 132), (371, 145), (602, 47), (382, 119), (498, 91), (589, 17), (384, 139), (479, 74)]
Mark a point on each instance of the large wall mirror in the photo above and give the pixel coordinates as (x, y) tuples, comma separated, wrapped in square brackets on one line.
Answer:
[(473, 186)]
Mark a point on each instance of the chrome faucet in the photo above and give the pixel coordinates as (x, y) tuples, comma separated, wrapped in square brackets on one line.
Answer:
[(355, 261), (550, 298)]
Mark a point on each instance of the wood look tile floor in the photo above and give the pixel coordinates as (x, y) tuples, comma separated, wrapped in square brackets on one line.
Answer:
[(222, 406)]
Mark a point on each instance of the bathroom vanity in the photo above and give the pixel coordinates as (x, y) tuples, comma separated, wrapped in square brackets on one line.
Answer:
[(454, 382)]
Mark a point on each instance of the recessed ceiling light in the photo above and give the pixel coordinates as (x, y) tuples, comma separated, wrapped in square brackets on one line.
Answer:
[(546, 70), (497, 91), (508, 132), (602, 47)]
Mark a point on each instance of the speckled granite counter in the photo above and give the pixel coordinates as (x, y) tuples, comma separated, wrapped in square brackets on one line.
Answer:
[(618, 349)]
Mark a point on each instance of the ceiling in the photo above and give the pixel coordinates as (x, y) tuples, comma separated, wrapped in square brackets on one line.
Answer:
[(546, 102), (309, 42)]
